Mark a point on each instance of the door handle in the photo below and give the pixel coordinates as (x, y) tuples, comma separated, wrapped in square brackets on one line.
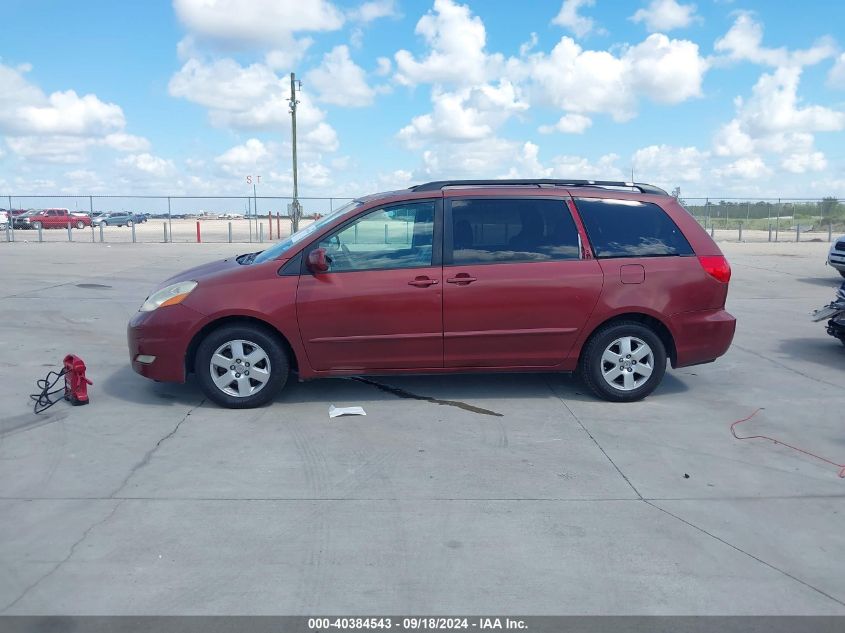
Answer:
[(422, 282), (461, 279)]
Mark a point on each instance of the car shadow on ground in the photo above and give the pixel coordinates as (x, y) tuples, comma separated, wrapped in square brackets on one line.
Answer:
[(829, 282), (124, 384), (824, 350)]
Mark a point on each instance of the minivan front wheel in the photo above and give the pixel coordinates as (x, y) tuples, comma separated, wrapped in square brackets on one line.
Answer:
[(241, 366), (623, 362)]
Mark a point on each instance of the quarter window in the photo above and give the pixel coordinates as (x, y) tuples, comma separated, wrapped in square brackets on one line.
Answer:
[(398, 236), (490, 230), (629, 228)]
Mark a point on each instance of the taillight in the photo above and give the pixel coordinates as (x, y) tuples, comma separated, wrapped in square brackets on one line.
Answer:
[(717, 267)]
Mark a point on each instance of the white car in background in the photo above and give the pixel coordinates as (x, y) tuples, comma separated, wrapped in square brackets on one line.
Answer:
[(836, 255), (4, 220)]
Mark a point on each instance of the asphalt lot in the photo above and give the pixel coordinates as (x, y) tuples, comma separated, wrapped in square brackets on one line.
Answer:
[(152, 501)]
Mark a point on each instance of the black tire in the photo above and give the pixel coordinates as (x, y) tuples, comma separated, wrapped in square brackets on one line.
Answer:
[(592, 364), (129, 223), (80, 224), (37, 225), (104, 223), (268, 342)]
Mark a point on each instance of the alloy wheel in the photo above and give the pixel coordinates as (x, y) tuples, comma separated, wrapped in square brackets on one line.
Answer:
[(240, 368), (627, 363)]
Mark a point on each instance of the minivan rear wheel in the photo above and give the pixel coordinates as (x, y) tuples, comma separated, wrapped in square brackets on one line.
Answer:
[(241, 366), (623, 362)]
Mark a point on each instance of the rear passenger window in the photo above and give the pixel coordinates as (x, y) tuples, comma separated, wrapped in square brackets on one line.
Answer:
[(628, 228), (487, 231)]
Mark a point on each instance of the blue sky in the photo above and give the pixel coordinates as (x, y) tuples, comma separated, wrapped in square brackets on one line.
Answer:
[(720, 98)]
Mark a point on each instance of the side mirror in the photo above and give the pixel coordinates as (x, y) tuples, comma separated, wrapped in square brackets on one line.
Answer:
[(318, 261)]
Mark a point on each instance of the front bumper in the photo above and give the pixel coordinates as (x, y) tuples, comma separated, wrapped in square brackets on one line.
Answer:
[(702, 336), (164, 334), (837, 260)]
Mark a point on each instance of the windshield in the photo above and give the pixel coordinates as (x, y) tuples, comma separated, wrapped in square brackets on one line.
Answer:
[(275, 251)]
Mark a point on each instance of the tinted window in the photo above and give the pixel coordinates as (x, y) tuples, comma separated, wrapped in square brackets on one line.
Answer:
[(502, 230), (627, 228), (399, 236)]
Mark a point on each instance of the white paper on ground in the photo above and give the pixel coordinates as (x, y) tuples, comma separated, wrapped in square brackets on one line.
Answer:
[(335, 412)]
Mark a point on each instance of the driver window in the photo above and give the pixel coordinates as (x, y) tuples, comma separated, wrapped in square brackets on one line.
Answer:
[(398, 236)]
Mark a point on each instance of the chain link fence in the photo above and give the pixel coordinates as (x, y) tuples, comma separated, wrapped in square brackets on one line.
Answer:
[(116, 219), (769, 220), (264, 218)]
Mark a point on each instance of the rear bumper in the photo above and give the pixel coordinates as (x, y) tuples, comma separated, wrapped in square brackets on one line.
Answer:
[(165, 335), (702, 336)]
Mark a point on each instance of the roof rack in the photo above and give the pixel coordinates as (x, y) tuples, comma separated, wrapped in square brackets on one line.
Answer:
[(437, 185)]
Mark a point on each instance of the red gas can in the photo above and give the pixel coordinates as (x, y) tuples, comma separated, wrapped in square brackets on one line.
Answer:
[(76, 384)]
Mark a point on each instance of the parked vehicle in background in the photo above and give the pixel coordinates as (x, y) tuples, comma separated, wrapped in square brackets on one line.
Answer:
[(834, 313), (21, 220), (115, 218), (4, 219), (51, 219), (836, 255), (140, 218), (607, 279)]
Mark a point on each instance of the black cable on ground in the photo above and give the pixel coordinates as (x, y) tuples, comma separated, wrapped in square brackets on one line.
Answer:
[(45, 399)]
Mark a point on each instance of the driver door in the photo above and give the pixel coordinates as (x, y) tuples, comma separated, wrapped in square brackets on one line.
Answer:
[(379, 306)]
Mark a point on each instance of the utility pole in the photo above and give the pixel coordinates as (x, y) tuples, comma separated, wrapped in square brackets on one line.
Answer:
[(295, 209)]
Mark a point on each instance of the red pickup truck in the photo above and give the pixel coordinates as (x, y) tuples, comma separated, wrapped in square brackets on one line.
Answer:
[(56, 219)]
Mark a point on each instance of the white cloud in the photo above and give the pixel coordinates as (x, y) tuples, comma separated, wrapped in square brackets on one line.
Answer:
[(801, 162), (774, 107), (374, 10), (251, 98), (60, 127), (665, 15), (569, 18), (257, 22), (467, 114), (239, 160), (126, 142), (265, 158), (50, 149), (285, 60), (666, 70), (773, 119), (836, 76), (149, 165), (26, 110), (68, 113), (744, 42), (322, 137), (583, 81), (669, 165), (568, 124), (747, 168), (340, 81), (384, 66), (456, 40)]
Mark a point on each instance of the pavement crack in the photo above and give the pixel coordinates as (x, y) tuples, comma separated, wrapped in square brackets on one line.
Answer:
[(745, 552), (396, 391), (596, 442), (70, 554), (149, 454), (689, 523)]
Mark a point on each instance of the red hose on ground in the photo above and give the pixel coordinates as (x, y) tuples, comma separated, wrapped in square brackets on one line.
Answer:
[(841, 467)]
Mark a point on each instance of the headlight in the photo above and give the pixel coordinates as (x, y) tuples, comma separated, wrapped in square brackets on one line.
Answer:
[(168, 296)]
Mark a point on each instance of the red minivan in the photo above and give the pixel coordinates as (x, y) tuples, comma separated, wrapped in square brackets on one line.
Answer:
[(609, 279)]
